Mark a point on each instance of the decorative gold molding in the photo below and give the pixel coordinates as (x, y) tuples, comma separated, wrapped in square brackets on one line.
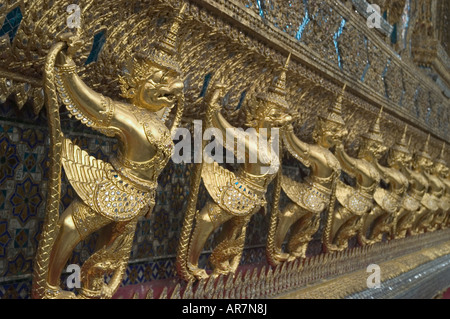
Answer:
[(348, 284), (333, 275), (261, 41), (313, 65)]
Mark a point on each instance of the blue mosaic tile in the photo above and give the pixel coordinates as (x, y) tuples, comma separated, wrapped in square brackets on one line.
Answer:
[(21, 238), (32, 137), (26, 200), (2, 199), (99, 41), (161, 225), (145, 249), (9, 160), (148, 272), (11, 23), (5, 237), (29, 161), (19, 266), (132, 275)]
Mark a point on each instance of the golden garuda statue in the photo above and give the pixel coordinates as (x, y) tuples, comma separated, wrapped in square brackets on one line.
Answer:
[(235, 196), (400, 158), (111, 195), (422, 167), (437, 180), (310, 198), (411, 207), (382, 219), (355, 203)]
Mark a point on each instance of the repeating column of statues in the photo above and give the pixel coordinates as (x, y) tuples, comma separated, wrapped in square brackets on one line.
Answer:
[(408, 196)]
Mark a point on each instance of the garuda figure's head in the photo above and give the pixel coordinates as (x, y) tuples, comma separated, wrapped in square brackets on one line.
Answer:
[(399, 154), (154, 80), (422, 159), (271, 108), (330, 128), (372, 143), (440, 167)]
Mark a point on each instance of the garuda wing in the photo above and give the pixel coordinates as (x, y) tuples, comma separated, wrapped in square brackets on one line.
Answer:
[(352, 199), (228, 191), (102, 188)]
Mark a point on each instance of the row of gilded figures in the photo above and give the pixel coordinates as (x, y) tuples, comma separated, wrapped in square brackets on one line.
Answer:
[(415, 200), (112, 196)]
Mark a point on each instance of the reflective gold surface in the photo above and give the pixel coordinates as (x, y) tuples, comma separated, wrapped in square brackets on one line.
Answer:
[(236, 196), (115, 193), (356, 204), (238, 47), (315, 194)]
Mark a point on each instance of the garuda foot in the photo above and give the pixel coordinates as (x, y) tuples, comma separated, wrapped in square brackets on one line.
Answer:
[(222, 272), (197, 272), (294, 257), (300, 252), (57, 293), (336, 247), (279, 256)]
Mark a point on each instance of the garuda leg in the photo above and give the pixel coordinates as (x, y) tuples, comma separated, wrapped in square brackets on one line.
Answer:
[(76, 223), (288, 217), (111, 258), (207, 220), (348, 225), (227, 254), (302, 232)]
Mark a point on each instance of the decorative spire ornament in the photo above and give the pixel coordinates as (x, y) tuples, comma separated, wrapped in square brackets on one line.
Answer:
[(374, 132), (402, 145), (441, 158), (277, 91), (334, 112), (165, 52)]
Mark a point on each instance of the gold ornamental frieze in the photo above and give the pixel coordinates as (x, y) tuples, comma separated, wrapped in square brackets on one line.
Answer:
[(388, 81), (312, 85)]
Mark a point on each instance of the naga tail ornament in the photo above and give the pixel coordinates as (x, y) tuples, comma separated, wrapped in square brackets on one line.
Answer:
[(275, 212), (183, 246), (328, 244), (196, 178), (50, 227)]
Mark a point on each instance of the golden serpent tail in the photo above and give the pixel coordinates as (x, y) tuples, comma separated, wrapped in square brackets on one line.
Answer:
[(330, 216), (50, 226), (178, 115), (183, 246), (270, 250)]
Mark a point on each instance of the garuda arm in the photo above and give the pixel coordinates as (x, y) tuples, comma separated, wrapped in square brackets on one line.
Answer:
[(384, 172), (347, 162), (299, 149), (231, 133), (91, 108)]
